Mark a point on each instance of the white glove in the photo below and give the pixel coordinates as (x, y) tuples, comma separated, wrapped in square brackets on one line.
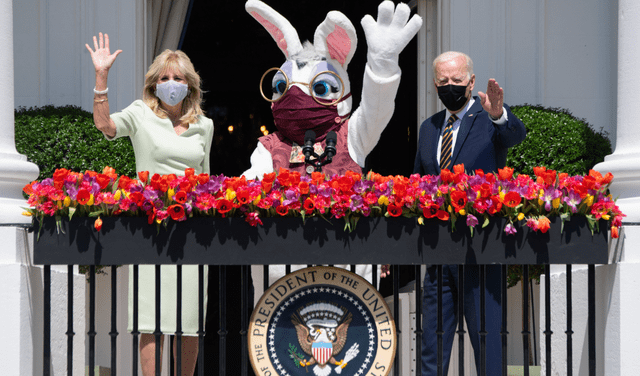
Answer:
[(388, 36)]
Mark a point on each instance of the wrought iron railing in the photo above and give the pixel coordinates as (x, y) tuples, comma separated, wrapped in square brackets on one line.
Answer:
[(222, 242)]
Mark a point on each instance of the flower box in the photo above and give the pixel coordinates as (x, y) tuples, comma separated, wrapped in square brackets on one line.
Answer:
[(377, 240)]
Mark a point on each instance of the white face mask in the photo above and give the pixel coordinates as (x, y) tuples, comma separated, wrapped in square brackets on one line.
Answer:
[(172, 92)]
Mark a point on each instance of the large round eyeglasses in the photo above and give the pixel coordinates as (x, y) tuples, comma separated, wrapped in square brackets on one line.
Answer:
[(321, 87)]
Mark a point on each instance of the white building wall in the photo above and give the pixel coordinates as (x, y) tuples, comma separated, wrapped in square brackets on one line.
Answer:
[(557, 54), (52, 65)]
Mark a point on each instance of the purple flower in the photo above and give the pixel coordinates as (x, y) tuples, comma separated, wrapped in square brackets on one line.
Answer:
[(72, 191), (510, 229), (573, 200), (472, 220), (290, 196), (356, 203)]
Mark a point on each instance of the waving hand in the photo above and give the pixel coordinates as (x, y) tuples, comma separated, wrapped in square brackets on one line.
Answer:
[(101, 56)]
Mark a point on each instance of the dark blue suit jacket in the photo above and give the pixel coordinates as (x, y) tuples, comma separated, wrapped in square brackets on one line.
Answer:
[(480, 143)]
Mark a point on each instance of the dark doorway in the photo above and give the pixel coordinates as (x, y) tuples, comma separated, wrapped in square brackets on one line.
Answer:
[(231, 51)]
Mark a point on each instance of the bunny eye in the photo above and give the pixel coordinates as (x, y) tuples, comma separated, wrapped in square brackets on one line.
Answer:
[(279, 87), (279, 83), (326, 84)]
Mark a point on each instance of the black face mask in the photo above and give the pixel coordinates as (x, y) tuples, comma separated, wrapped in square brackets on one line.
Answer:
[(453, 96)]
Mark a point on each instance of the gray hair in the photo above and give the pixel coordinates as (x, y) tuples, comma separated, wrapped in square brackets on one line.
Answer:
[(450, 55)]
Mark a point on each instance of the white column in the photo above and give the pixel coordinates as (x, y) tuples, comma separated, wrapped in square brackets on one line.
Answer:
[(19, 281), (621, 280), (15, 171)]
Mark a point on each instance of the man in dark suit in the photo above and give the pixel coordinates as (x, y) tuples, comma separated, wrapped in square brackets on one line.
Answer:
[(476, 132)]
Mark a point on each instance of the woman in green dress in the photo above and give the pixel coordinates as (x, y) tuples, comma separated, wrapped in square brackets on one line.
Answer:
[(169, 133)]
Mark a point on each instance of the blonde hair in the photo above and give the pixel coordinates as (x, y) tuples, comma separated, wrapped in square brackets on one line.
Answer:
[(178, 60), (450, 55)]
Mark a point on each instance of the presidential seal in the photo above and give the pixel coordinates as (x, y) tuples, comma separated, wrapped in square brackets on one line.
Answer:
[(322, 321)]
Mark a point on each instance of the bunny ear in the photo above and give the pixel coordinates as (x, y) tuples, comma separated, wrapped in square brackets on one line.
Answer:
[(336, 37), (280, 29)]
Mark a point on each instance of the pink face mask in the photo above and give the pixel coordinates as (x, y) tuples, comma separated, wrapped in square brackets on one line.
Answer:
[(297, 112)]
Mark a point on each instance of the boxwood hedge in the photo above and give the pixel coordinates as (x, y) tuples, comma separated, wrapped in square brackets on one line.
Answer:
[(54, 137), (557, 140)]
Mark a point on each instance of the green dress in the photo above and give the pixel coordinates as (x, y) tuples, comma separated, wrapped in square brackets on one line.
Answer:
[(158, 149)]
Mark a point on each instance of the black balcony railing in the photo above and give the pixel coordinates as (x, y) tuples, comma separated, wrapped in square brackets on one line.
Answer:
[(396, 241)]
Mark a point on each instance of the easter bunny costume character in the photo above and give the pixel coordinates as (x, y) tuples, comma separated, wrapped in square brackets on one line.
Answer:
[(311, 90)]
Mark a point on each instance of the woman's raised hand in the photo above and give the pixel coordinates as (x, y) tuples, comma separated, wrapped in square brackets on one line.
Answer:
[(101, 55)]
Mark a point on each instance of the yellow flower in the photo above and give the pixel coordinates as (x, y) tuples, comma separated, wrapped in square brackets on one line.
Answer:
[(257, 200), (450, 209), (231, 194), (421, 220), (588, 200), (383, 200), (59, 204), (462, 212), (67, 201), (171, 192), (540, 202), (90, 202), (606, 217), (27, 214), (117, 195), (520, 216), (555, 203)]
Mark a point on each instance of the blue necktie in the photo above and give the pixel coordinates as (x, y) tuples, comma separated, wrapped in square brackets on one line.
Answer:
[(445, 149)]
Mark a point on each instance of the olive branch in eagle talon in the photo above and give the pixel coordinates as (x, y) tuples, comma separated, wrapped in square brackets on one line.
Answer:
[(298, 358)]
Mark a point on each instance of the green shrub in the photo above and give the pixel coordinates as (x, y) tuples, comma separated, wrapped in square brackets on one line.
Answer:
[(557, 140), (66, 137)]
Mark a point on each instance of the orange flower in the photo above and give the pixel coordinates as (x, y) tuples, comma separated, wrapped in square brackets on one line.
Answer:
[(103, 180), (353, 175), (614, 232), (303, 187), (505, 173), (446, 176), (442, 215), (543, 224), (267, 181), (124, 182), (284, 177), (110, 172), (458, 169), (189, 172), (224, 206), (59, 176), (431, 210), (394, 210), (143, 176), (28, 189), (512, 199), (317, 178), (137, 198), (203, 178), (309, 205), (180, 197), (458, 200), (282, 210), (243, 196), (97, 224), (83, 196), (177, 212), (345, 184)]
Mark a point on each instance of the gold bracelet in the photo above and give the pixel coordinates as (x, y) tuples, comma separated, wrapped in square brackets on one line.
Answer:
[(101, 100)]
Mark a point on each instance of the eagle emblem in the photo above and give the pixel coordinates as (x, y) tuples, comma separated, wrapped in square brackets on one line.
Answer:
[(322, 329)]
